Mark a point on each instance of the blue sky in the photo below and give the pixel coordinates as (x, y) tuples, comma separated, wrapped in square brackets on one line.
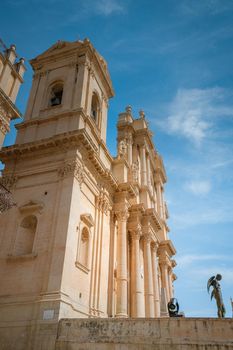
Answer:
[(174, 60)]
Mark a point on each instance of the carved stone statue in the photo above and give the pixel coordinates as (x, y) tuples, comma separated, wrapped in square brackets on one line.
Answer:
[(135, 171), (122, 148), (216, 293)]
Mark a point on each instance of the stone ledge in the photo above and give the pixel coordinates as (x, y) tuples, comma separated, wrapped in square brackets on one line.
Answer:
[(166, 333)]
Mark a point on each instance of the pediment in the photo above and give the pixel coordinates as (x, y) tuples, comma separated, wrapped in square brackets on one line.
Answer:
[(60, 44), (31, 206), (87, 219)]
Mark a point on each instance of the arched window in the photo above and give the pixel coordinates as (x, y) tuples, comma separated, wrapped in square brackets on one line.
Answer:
[(25, 235), (56, 93), (95, 107), (84, 247)]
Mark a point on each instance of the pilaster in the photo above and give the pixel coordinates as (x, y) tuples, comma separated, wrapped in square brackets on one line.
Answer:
[(137, 304), (156, 279), (122, 273), (149, 293), (143, 165)]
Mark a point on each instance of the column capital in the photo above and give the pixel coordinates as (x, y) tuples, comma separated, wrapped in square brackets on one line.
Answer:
[(147, 237), (154, 246), (135, 232), (122, 215), (164, 262)]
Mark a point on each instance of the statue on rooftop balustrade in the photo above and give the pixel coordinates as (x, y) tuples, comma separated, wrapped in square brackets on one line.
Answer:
[(217, 294)]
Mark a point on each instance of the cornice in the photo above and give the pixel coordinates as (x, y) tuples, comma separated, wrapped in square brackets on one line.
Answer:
[(127, 187), (125, 126), (168, 247), (63, 50), (137, 209), (40, 120), (67, 140), (152, 216), (80, 111)]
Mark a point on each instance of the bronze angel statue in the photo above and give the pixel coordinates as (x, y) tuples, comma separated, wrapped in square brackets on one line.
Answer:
[(216, 293)]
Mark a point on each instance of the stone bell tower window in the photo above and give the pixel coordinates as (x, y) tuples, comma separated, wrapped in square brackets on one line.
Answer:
[(95, 107), (56, 94)]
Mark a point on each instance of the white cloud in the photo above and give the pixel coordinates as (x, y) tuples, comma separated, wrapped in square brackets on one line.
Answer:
[(188, 259), (222, 164), (207, 272), (103, 7), (192, 113), (107, 7), (198, 187), (210, 7)]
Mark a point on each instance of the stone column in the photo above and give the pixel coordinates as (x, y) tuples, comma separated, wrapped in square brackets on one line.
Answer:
[(156, 279), (122, 275), (170, 282), (143, 164), (136, 279), (130, 149), (148, 172), (164, 278), (159, 199), (149, 295)]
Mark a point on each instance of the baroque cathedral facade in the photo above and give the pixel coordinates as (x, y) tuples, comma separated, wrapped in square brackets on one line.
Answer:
[(88, 237)]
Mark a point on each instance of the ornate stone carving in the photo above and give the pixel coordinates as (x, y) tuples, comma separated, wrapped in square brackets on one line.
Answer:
[(136, 232), (135, 171), (147, 237), (102, 202), (3, 128), (122, 215), (154, 246), (8, 181), (74, 168), (6, 200), (122, 149), (5, 116)]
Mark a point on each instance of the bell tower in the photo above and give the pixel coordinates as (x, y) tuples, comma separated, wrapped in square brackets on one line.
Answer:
[(70, 91), (55, 241)]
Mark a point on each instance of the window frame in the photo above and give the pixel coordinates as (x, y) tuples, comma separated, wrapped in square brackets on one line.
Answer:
[(86, 224), (49, 93), (96, 120)]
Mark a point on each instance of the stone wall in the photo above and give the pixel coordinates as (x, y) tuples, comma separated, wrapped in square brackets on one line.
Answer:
[(145, 334), (120, 334)]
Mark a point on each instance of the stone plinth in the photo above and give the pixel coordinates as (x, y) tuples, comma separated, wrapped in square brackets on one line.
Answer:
[(143, 334)]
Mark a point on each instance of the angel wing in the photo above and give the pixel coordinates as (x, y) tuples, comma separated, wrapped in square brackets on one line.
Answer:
[(209, 283)]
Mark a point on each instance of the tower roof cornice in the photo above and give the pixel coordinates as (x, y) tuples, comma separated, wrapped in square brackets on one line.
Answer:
[(72, 51)]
